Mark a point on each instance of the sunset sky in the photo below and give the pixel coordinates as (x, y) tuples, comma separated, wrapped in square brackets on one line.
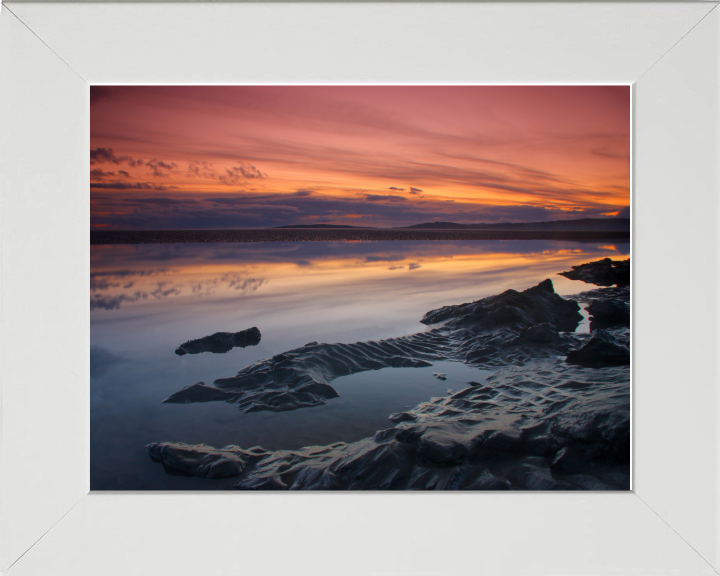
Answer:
[(181, 157)]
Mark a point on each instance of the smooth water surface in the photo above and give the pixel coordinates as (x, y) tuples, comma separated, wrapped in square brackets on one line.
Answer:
[(148, 299)]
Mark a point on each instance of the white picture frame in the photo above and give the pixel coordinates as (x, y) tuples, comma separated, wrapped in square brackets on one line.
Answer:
[(49, 522)]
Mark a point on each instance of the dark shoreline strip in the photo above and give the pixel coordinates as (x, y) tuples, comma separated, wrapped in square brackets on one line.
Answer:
[(102, 237)]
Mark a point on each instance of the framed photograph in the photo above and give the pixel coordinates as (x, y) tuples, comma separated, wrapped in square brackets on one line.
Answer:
[(119, 79), (360, 287)]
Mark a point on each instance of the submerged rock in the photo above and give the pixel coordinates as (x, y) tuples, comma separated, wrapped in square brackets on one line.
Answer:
[(605, 272), (220, 342), (545, 425)]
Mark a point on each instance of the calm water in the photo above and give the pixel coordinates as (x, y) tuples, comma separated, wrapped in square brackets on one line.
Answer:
[(148, 299)]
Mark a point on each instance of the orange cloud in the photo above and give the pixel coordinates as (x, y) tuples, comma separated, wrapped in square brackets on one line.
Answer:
[(560, 148)]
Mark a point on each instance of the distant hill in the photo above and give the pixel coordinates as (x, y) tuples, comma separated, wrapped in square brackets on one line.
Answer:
[(579, 225), (320, 226)]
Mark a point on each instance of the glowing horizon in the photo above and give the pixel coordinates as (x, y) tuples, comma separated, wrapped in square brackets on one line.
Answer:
[(261, 156)]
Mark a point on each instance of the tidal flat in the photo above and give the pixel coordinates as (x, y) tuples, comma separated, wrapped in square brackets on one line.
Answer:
[(382, 365)]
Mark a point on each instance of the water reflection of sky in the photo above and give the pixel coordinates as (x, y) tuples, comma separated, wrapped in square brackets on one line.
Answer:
[(148, 299)]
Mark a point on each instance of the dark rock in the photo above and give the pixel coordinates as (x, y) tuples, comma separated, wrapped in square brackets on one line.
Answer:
[(545, 426), (481, 354), (501, 442), (605, 272), (204, 461), (537, 423), (614, 293), (402, 417), (608, 313), (220, 342), (516, 310), (602, 349), (199, 392), (440, 376), (313, 394), (513, 327), (441, 448), (300, 378), (544, 333), (567, 460)]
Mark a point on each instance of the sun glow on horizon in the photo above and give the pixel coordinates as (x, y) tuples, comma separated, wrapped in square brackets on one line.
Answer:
[(263, 156)]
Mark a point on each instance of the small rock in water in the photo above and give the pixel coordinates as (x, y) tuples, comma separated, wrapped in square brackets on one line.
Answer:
[(606, 272), (440, 375), (220, 342)]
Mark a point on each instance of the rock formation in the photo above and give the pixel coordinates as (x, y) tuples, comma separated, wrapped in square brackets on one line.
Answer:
[(512, 327), (220, 342), (554, 415), (605, 272)]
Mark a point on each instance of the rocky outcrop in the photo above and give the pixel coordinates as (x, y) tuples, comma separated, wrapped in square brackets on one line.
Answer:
[(512, 309), (605, 272), (555, 414), (220, 342), (265, 397), (546, 425), (513, 327)]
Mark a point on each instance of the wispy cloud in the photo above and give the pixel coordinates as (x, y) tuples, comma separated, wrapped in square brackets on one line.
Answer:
[(106, 155), (156, 167), (118, 185), (465, 149), (99, 174), (381, 198), (237, 174)]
